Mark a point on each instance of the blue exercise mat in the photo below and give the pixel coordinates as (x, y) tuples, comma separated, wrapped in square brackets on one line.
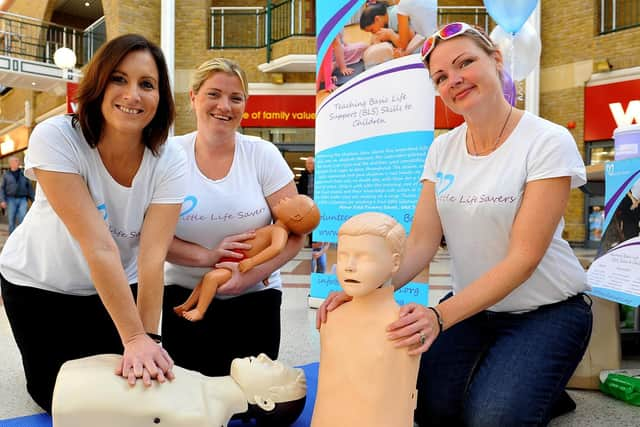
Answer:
[(310, 371), (39, 420)]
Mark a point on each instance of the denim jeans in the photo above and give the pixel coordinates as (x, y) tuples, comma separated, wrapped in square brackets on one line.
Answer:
[(16, 210), (319, 265), (503, 369)]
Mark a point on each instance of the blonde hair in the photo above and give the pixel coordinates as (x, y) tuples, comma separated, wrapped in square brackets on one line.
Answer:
[(218, 65), (376, 224), (480, 40)]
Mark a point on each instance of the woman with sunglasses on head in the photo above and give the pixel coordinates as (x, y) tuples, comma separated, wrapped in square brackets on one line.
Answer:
[(501, 347), (83, 274)]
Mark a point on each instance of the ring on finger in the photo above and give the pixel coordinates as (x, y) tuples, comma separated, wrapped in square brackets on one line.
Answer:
[(423, 337)]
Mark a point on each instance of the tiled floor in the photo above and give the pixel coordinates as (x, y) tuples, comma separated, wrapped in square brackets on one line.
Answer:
[(300, 345)]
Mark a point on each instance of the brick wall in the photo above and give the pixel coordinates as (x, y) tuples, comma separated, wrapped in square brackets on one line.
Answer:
[(571, 42), (45, 102), (133, 16), (39, 9), (12, 105)]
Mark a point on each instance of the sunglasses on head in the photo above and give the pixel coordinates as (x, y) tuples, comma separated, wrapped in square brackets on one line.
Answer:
[(447, 32)]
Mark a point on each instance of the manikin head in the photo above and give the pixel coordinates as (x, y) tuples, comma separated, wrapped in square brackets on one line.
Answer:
[(299, 213), (276, 393), (370, 248)]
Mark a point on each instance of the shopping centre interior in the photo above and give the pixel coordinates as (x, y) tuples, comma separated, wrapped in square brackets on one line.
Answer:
[(590, 59)]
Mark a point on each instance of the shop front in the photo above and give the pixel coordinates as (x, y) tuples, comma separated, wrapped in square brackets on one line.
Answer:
[(609, 104), (286, 120)]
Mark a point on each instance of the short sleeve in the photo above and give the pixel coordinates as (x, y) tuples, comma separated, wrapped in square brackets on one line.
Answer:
[(431, 162), (52, 149), (556, 155), (273, 171), (171, 185)]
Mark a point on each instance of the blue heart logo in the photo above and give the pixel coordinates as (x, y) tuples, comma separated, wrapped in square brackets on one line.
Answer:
[(185, 205), (103, 209), (443, 182)]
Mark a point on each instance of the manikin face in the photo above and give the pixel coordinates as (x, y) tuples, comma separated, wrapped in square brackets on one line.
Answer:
[(259, 376), (298, 213), (365, 263), (219, 104), (465, 76), (131, 97)]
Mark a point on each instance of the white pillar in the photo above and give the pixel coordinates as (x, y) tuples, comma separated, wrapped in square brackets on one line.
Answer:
[(167, 39), (532, 92)]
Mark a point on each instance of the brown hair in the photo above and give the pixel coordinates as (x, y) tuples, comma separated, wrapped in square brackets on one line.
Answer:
[(92, 87)]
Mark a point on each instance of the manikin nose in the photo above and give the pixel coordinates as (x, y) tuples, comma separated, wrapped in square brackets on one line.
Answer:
[(351, 264)]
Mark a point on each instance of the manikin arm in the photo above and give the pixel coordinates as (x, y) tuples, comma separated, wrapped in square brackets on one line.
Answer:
[(191, 254)]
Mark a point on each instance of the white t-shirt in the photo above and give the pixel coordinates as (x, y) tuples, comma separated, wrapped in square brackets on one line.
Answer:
[(422, 15), (215, 209), (41, 252), (392, 14), (478, 198)]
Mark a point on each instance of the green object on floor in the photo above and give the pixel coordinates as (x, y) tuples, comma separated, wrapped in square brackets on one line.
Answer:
[(622, 387), (627, 320)]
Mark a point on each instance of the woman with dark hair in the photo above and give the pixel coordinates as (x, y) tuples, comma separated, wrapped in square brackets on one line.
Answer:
[(83, 274)]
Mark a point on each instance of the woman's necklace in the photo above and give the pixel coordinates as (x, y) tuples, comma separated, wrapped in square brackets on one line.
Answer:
[(495, 145)]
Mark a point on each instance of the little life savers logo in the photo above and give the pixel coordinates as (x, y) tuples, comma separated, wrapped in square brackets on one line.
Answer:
[(625, 118)]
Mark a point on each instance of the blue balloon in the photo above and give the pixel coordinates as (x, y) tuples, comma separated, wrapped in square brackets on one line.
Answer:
[(510, 14)]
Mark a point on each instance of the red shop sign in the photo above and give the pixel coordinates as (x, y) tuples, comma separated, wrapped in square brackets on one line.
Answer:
[(446, 118), (291, 111), (72, 105), (607, 103), (298, 111)]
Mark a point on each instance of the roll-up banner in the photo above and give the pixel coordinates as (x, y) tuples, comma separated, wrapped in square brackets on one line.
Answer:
[(374, 120)]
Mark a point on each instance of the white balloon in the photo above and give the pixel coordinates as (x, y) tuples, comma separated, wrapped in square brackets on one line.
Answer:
[(520, 52)]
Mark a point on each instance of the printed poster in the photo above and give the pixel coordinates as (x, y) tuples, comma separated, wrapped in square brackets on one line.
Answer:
[(615, 274), (374, 121)]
